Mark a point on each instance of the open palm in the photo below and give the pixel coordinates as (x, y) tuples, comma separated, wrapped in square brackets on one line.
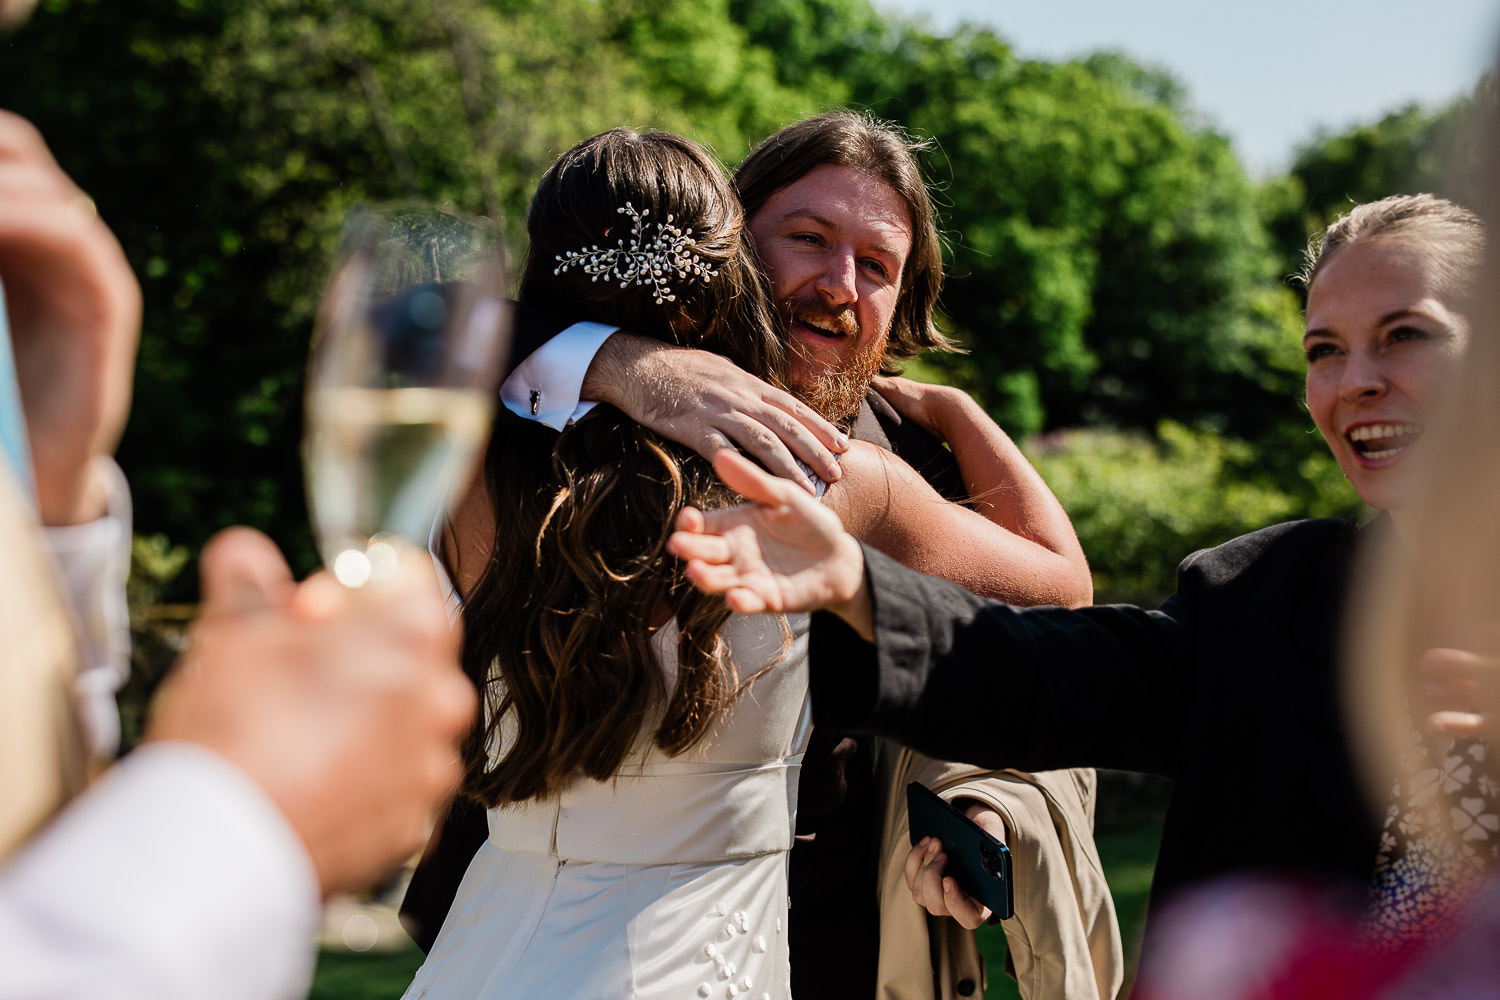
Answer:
[(780, 551)]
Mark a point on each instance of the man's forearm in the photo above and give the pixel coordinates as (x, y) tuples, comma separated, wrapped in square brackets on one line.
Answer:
[(611, 366)]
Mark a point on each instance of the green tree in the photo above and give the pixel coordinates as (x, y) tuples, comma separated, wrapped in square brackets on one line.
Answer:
[(225, 141), (705, 78), (1109, 265), (1115, 260), (1407, 151), (1108, 261), (211, 436)]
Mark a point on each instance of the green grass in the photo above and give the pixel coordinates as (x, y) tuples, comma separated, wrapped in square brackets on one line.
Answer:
[(1128, 856), (346, 975)]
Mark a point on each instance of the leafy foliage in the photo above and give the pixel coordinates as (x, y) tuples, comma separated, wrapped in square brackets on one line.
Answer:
[(1408, 151), (1108, 260), (1141, 504), (1111, 263), (157, 630)]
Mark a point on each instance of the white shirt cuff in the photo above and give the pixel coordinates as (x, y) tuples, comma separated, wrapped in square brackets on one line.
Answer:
[(93, 561), (548, 385), (174, 877)]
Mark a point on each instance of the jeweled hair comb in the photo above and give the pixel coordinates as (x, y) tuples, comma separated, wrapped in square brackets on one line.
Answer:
[(636, 260)]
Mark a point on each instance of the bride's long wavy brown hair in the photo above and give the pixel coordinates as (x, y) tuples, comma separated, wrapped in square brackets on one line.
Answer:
[(558, 627)]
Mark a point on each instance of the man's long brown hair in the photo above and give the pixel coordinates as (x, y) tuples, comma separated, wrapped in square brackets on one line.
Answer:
[(558, 628), (885, 152)]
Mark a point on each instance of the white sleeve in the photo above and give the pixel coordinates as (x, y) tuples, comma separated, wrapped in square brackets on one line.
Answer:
[(548, 384), (93, 560), (172, 878)]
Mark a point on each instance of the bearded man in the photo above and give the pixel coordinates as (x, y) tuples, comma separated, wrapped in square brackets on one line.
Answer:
[(843, 223)]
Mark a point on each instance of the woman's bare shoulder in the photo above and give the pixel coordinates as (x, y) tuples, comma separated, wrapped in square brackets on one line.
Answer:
[(876, 491)]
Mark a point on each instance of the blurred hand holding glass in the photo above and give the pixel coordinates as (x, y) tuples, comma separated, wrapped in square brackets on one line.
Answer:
[(406, 356)]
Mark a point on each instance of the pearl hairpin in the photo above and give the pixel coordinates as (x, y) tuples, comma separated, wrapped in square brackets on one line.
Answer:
[(637, 260)]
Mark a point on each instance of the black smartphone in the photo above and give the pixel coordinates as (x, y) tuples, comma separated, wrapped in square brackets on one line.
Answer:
[(978, 862)]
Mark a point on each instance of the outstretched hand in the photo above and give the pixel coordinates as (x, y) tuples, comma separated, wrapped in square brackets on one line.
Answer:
[(706, 402), (781, 551)]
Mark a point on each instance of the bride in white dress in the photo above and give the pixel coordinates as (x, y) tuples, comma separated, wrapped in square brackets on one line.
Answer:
[(668, 881), (640, 811), (640, 749)]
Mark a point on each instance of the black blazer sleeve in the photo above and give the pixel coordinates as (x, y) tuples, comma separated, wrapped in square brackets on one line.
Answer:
[(961, 677), (1231, 690)]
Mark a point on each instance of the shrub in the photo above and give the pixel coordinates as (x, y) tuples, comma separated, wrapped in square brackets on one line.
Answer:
[(1142, 504)]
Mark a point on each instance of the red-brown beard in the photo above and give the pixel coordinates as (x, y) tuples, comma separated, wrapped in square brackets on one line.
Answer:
[(837, 393)]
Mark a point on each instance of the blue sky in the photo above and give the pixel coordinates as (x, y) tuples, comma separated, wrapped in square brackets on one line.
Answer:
[(1268, 73)]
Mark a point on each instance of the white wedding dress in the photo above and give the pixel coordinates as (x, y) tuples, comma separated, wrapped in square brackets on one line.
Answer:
[(668, 882)]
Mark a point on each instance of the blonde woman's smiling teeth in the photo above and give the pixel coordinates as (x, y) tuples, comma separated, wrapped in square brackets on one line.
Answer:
[(1382, 439)]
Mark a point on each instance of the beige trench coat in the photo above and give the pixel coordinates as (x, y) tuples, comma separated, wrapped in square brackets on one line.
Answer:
[(1064, 940)]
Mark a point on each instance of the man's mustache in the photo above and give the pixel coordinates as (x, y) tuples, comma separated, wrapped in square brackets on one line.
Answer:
[(839, 322)]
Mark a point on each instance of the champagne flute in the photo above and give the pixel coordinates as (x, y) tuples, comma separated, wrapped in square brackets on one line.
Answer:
[(406, 354)]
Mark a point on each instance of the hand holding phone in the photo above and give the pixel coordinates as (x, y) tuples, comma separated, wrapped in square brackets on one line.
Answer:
[(977, 862)]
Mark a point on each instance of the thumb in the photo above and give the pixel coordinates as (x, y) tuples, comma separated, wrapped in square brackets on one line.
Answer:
[(242, 570)]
